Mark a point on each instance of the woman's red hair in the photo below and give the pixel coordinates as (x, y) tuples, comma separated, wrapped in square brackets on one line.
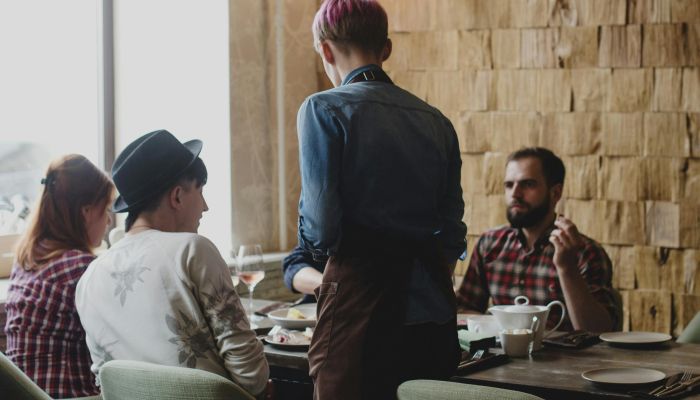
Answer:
[(57, 224)]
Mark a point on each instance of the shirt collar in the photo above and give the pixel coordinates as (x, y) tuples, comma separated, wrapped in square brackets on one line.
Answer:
[(541, 241), (358, 71)]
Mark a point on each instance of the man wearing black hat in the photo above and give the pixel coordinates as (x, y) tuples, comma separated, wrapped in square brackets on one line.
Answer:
[(163, 293)]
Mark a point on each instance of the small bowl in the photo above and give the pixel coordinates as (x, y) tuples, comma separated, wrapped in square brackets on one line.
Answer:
[(279, 317)]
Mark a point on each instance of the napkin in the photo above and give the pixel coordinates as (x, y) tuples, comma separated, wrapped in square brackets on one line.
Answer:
[(472, 341), (576, 339)]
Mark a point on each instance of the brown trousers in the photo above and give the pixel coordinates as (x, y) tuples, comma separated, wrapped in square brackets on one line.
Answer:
[(361, 349)]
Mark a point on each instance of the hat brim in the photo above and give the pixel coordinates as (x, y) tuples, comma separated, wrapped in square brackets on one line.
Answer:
[(194, 146)]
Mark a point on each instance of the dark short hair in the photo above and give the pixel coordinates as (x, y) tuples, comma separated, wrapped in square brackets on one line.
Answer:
[(359, 23), (552, 166), (196, 172)]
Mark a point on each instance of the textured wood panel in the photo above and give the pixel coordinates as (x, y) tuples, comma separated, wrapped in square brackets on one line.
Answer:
[(505, 48), (667, 89), (588, 215), (662, 178), (577, 47), (624, 222), (571, 133), (514, 130), (554, 90), (537, 48), (473, 174), (581, 177), (474, 132), (650, 310), (478, 90), (620, 46), (648, 11), (691, 271), (475, 49), (663, 224), (514, 89), (664, 45), (494, 171), (623, 134), (666, 134), (691, 89), (435, 50), (591, 89), (620, 178), (694, 133), (691, 182), (630, 90), (444, 90), (685, 11)]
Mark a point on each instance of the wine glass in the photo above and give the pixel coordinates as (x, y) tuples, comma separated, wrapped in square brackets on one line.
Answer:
[(249, 268)]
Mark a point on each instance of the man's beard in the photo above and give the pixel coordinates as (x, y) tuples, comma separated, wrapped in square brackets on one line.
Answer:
[(528, 218)]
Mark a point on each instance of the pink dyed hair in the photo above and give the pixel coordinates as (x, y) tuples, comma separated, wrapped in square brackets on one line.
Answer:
[(352, 23)]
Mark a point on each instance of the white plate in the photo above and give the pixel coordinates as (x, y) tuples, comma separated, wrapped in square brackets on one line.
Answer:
[(301, 342), (635, 338), (623, 376), (279, 317)]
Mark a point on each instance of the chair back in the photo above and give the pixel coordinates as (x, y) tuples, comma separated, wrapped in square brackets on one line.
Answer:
[(421, 389), (691, 333), (14, 384), (134, 380)]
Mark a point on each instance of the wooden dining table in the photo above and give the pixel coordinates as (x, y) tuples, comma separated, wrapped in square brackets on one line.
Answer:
[(550, 373)]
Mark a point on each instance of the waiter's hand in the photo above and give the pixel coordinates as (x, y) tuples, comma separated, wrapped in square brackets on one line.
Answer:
[(567, 242)]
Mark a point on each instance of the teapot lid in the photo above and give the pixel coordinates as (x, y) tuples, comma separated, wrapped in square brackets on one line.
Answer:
[(522, 305)]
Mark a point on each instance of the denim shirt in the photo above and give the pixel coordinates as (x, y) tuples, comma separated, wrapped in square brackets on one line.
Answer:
[(375, 155)]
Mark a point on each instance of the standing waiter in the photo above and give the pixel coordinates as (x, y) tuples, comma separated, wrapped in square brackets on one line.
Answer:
[(381, 201)]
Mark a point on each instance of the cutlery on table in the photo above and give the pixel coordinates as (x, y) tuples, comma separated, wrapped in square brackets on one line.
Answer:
[(669, 382), (680, 386)]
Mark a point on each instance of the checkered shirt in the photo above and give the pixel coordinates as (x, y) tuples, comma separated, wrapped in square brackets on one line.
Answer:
[(44, 335), (502, 268)]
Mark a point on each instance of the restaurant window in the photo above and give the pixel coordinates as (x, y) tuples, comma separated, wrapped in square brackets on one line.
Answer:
[(48, 95), (172, 72)]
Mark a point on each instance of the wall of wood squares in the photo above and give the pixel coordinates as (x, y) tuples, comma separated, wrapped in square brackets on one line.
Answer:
[(612, 86)]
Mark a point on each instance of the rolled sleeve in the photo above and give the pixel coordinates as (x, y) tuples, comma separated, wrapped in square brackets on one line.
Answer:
[(320, 159), (295, 261)]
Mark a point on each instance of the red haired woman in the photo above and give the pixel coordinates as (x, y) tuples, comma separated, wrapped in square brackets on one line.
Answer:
[(44, 335)]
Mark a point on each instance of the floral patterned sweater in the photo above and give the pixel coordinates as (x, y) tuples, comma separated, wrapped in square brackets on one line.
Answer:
[(167, 298)]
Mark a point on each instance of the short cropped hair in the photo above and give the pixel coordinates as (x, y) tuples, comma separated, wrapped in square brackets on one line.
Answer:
[(352, 23), (552, 166)]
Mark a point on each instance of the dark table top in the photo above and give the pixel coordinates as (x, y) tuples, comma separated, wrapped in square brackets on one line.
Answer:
[(552, 372)]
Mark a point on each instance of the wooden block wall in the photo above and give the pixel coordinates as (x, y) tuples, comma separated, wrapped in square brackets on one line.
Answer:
[(612, 86)]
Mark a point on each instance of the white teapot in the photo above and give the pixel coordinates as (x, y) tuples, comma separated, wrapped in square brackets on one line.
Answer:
[(519, 316)]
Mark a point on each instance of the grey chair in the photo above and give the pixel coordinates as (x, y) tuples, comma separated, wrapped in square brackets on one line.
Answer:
[(135, 380), (691, 333), (16, 385), (440, 390)]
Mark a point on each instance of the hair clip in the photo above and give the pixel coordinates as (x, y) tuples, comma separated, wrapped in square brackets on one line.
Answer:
[(47, 181), (43, 181)]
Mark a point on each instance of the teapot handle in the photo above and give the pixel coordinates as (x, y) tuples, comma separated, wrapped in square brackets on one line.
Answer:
[(521, 301), (563, 314)]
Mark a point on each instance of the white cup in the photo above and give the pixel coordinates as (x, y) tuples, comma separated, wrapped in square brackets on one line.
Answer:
[(517, 342), (485, 324)]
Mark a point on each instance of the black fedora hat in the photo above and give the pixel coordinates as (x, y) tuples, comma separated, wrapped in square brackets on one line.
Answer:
[(148, 165)]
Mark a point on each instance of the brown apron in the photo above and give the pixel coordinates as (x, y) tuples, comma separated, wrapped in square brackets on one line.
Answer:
[(361, 348)]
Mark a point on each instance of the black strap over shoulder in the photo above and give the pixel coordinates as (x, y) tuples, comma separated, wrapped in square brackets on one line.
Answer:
[(370, 75)]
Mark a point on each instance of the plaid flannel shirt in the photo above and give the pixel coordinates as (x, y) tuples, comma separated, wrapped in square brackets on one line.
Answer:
[(44, 336), (502, 268)]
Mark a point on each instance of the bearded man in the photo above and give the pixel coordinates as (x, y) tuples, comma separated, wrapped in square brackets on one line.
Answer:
[(540, 255)]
